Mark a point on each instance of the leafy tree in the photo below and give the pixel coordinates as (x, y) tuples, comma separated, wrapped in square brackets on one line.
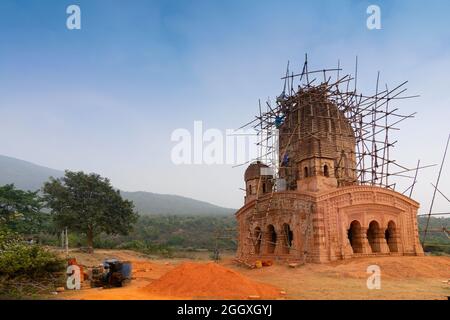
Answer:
[(20, 210), (87, 203)]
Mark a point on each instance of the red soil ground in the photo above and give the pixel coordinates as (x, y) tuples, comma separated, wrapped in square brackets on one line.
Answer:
[(401, 278)]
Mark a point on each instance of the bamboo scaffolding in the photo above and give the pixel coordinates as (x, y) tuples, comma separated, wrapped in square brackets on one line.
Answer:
[(372, 117)]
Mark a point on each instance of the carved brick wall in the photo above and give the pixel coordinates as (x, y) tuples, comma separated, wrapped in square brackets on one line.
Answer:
[(384, 223)]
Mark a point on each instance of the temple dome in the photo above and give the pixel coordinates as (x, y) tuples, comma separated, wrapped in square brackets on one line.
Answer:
[(315, 128), (254, 170)]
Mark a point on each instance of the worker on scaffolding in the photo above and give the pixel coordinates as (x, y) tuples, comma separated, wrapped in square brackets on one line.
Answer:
[(279, 121), (285, 161)]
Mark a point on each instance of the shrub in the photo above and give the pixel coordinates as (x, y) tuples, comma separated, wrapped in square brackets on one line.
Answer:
[(133, 245), (147, 248), (19, 258)]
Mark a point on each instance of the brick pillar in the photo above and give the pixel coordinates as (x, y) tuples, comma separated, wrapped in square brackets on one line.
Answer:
[(397, 242), (346, 249), (365, 242), (418, 249), (250, 246), (268, 242), (279, 243), (381, 239)]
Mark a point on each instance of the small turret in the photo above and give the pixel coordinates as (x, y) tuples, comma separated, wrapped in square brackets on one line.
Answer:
[(258, 180)]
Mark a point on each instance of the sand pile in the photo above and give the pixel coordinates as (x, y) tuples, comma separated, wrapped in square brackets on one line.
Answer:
[(209, 280)]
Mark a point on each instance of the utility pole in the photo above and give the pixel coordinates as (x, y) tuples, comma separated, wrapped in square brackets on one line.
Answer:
[(65, 241)]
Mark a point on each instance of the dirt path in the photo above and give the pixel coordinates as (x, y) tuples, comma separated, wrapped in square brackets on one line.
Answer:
[(401, 278)]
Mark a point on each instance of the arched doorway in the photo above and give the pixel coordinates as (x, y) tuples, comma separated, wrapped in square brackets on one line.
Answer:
[(271, 239), (354, 236), (305, 172), (391, 237), (257, 238), (288, 236), (372, 236), (326, 172)]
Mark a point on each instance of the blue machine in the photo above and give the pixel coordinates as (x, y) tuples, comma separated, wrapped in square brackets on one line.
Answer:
[(116, 272)]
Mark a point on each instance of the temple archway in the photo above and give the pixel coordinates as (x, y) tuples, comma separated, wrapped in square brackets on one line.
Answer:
[(372, 236), (391, 236), (354, 236), (326, 171), (271, 239)]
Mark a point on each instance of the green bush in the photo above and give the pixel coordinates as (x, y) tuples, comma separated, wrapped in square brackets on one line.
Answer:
[(147, 248), (19, 258), (132, 245), (436, 248)]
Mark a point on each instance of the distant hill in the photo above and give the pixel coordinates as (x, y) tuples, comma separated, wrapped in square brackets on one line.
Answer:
[(154, 203), (29, 176), (25, 175)]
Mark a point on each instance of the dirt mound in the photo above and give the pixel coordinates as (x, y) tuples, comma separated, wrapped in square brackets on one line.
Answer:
[(209, 280)]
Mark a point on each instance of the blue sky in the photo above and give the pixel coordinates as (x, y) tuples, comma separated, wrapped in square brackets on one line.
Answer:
[(106, 98)]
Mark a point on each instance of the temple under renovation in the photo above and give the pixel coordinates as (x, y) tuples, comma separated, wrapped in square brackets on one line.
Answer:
[(321, 190)]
